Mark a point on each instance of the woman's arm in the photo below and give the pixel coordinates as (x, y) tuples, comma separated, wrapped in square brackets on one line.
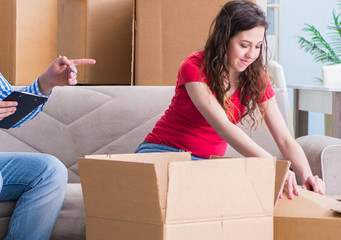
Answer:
[(209, 107), (289, 148)]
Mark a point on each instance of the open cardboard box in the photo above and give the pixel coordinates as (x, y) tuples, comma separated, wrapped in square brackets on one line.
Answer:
[(310, 216), (167, 196)]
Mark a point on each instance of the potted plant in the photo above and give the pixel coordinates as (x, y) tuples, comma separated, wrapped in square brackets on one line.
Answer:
[(326, 52)]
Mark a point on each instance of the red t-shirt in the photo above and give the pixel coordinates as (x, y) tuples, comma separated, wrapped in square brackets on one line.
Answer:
[(182, 126)]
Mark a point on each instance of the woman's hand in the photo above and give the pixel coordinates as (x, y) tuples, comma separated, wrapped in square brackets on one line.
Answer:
[(59, 73), (314, 183), (291, 151), (7, 108), (291, 185)]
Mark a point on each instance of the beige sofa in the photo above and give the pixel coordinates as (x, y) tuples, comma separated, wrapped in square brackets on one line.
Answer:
[(83, 120)]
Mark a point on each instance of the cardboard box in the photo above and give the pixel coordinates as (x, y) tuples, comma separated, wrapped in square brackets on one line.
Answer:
[(28, 38), (99, 29), (134, 41), (166, 32), (167, 196), (307, 217), (337, 197)]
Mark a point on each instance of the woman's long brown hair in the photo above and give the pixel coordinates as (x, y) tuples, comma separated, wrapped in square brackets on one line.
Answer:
[(234, 17)]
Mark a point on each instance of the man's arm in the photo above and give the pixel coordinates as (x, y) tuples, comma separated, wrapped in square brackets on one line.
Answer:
[(33, 88), (58, 74), (8, 108), (5, 88)]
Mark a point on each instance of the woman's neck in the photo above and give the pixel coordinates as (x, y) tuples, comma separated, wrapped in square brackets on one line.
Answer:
[(234, 85), (234, 77)]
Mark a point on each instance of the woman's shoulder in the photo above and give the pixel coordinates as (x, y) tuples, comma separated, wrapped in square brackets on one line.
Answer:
[(195, 58), (190, 69)]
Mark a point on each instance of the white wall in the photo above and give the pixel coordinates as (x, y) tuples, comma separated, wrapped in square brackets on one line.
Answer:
[(299, 66)]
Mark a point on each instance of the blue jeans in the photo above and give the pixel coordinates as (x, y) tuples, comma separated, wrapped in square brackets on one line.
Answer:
[(146, 147), (38, 183)]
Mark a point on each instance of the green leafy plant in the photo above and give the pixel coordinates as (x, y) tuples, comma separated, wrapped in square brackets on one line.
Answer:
[(323, 51)]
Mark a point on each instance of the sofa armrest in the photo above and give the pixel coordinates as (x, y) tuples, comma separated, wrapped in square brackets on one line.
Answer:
[(331, 169), (314, 146)]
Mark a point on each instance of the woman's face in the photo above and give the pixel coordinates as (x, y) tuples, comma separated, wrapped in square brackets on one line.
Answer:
[(244, 49)]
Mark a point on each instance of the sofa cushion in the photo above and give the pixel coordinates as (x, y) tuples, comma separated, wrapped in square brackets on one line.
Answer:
[(331, 169), (70, 223), (85, 120)]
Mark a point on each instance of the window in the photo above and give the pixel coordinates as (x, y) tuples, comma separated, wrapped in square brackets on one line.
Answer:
[(273, 17)]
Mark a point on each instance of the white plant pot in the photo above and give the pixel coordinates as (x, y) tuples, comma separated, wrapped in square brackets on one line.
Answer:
[(331, 75)]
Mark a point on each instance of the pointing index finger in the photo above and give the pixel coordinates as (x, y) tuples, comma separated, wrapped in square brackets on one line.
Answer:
[(77, 62)]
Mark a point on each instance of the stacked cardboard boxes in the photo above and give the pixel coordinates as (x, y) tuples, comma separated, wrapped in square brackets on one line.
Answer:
[(99, 29), (134, 41), (28, 38), (166, 33)]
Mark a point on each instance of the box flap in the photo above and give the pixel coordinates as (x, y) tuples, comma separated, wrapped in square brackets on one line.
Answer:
[(307, 205), (131, 194), (337, 197), (336, 207), (146, 169), (220, 189), (282, 168)]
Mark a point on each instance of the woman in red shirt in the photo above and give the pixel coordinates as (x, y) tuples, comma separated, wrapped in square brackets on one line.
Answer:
[(218, 87)]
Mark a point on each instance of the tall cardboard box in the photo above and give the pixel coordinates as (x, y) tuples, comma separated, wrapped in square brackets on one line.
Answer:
[(166, 32), (28, 38), (166, 196), (99, 29)]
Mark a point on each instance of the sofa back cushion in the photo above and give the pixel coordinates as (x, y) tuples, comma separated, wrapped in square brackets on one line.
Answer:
[(84, 120)]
